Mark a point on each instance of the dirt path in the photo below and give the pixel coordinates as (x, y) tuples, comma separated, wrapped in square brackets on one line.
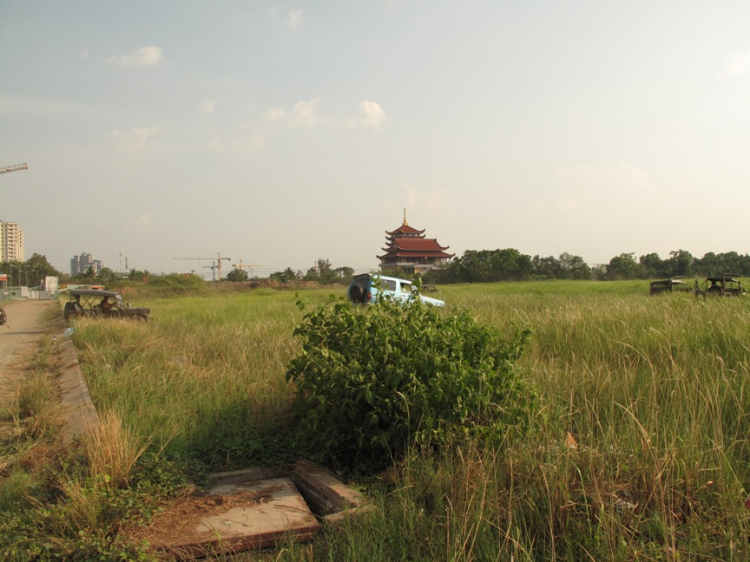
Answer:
[(28, 321)]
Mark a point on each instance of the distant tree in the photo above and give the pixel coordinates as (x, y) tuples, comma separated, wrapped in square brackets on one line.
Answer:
[(106, 275), (574, 267), (473, 266), (623, 266), (237, 275), (32, 271), (40, 267), (140, 275), (681, 262), (286, 276), (13, 269), (344, 274), (509, 264), (708, 264), (322, 272), (728, 262), (325, 271), (599, 271), (653, 266), (546, 268)]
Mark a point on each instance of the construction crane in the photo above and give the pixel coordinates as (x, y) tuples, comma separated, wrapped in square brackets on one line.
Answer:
[(216, 262), (241, 267), (13, 168), (213, 267)]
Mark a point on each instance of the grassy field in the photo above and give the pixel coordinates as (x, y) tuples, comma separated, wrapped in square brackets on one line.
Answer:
[(639, 449)]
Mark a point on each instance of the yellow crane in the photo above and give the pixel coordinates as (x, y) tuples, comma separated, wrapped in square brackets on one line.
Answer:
[(14, 168), (241, 267), (217, 265)]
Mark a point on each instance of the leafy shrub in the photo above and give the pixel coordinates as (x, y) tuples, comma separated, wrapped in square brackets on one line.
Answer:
[(373, 380)]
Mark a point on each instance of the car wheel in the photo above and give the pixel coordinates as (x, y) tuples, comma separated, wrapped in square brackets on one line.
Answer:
[(356, 295)]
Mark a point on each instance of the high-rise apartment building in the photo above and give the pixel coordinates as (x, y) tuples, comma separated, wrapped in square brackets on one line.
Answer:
[(11, 242), (79, 265)]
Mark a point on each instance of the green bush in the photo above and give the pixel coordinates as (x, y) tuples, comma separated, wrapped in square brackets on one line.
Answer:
[(374, 380)]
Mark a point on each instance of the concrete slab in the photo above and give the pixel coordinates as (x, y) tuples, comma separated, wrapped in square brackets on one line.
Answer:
[(78, 411), (234, 516), (329, 497)]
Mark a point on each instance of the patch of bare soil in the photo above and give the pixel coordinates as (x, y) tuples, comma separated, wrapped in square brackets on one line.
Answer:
[(20, 340), (180, 522)]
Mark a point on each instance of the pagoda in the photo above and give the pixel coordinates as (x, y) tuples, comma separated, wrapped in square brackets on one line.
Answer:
[(408, 249)]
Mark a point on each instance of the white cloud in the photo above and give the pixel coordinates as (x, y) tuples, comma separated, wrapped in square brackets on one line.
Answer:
[(372, 115), (737, 65), (432, 203), (275, 113), (139, 222), (305, 114), (293, 18), (208, 106), (134, 140), (84, 54), (145, 56)]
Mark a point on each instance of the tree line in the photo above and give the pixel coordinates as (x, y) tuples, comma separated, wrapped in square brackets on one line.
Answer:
[(475, 266), (322, 272), (484, 266), (30, 272)]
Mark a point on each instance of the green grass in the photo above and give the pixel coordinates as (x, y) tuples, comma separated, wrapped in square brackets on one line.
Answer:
[(655, 390), (205, 377)]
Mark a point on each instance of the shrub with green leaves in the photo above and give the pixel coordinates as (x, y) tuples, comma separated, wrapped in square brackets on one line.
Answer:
[(372, 380)]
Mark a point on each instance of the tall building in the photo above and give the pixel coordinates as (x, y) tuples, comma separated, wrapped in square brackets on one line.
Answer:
[(79, 265), (408, 249), (11, 242)]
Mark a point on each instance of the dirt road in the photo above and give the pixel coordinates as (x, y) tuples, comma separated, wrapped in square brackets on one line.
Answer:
[(28, 321)]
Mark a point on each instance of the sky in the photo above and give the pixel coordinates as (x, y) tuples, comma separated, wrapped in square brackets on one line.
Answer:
[(277, 133)]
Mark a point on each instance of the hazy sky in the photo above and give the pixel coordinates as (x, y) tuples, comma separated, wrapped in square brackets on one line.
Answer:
[(282, 132)]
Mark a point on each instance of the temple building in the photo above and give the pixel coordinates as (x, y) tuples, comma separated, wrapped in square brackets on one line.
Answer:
[(407, 248)]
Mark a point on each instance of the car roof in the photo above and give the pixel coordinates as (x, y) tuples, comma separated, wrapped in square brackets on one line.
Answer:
[(366, 275), (93, 292), (725, 277)]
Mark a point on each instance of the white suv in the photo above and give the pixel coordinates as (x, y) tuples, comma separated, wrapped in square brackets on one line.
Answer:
[(365, 289)]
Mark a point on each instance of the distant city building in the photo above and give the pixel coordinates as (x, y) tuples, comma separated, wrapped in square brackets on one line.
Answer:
[(407, 248), (11, 242), (79, 265)]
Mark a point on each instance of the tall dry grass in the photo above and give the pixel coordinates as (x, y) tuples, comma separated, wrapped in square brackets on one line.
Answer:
[(653, 391), (111, 450)]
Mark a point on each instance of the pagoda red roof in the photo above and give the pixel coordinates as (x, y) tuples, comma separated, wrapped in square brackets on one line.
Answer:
[(417, 244), (401, 254), (404, 229), (416, 248)]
